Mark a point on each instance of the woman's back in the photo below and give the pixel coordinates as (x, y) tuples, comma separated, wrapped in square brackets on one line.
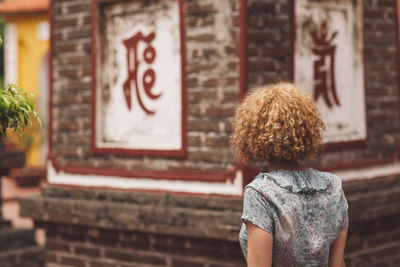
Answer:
[(304, 210)]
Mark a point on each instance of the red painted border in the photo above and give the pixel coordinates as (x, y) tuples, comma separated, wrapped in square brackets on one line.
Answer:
[(398, 45), (373, 179), (125, 151), (293, 38), (204, 176), (247, 171), (243, 13), (188, 175), (332, 145), (50, 88), (356, 164)]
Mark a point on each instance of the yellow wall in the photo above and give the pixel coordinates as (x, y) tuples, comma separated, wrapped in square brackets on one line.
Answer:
[(31, 52)]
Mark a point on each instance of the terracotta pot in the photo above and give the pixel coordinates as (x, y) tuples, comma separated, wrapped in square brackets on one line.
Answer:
[(27, 176)]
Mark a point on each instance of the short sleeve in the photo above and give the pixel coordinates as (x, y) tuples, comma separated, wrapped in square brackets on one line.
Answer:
[(256, 209), (344, 212)]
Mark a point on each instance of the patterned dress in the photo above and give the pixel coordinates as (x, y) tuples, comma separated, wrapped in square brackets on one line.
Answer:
[(304, 210)]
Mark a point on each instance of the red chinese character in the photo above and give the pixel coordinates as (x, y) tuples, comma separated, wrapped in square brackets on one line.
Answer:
[(324, 65), (134, 61)]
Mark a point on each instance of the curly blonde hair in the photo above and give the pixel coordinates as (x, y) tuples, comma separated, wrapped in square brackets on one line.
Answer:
[(277, 122)]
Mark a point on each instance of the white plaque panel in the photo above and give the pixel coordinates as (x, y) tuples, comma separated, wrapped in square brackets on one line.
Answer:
[(139, 76), (329, 64)]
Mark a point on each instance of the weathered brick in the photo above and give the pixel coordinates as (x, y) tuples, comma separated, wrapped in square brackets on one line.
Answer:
[(50, 257), (212, 82), (87, 251), (66, 126), (71, 261), (100, 263), (194, 141), (78, 8), (65, 22), (58, 246), (185, 263), (199, 9), (261, 64), (206, 37), (220, 111), (262, 7), (199, 96), (217, 141), (203, 125)]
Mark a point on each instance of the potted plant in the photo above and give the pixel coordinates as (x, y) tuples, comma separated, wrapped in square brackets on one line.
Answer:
[(16, 110), (16, 113)]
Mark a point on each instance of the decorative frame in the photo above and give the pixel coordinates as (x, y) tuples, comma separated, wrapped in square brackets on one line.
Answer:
[(329, 146), (177, 153), (190, 176)]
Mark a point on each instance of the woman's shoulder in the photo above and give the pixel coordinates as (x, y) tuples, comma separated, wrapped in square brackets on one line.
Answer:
[(264, 187), (336, 180), (257, 183), (283, 182)]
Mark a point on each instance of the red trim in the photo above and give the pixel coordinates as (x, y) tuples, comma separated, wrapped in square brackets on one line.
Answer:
[(50, 104), (343, 145), (356, 164), (247, 172), (183, 80), (252, 171), (204, 176), (377, 178), (333, 145), (364, 141), (398, 44), (93, 21), (136, 152), (293, 38), (243, 48)]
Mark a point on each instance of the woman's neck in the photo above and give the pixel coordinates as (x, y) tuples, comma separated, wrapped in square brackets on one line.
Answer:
[(274, 165)]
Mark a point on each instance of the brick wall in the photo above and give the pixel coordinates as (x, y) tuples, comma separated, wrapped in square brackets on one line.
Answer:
[(269, 41), (269, 53), (114, 228), (98, 227), (211, 40), (18, 247), (374, 232)]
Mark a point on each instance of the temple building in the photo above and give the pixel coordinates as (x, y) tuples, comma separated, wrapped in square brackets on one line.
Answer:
[(142, 93)]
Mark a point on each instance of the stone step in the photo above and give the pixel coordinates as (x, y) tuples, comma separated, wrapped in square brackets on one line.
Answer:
[(12, 238), (32, 256)]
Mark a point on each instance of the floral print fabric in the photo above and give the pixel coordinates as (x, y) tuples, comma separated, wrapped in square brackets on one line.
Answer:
[(304, 211)]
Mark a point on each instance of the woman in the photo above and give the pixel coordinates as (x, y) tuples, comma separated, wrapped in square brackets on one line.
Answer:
[(292, 216)]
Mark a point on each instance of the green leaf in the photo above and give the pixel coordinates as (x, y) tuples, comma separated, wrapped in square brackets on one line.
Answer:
[(16, 109)]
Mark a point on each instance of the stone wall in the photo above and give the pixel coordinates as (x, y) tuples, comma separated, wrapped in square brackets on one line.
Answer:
[(18, 247), (115, 228), (374, 220)]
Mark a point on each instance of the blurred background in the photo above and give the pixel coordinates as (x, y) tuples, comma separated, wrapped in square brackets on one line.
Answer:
[(132, 166)]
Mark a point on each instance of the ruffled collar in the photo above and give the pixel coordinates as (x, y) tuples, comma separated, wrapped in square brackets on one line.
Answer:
[(301, 181)]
